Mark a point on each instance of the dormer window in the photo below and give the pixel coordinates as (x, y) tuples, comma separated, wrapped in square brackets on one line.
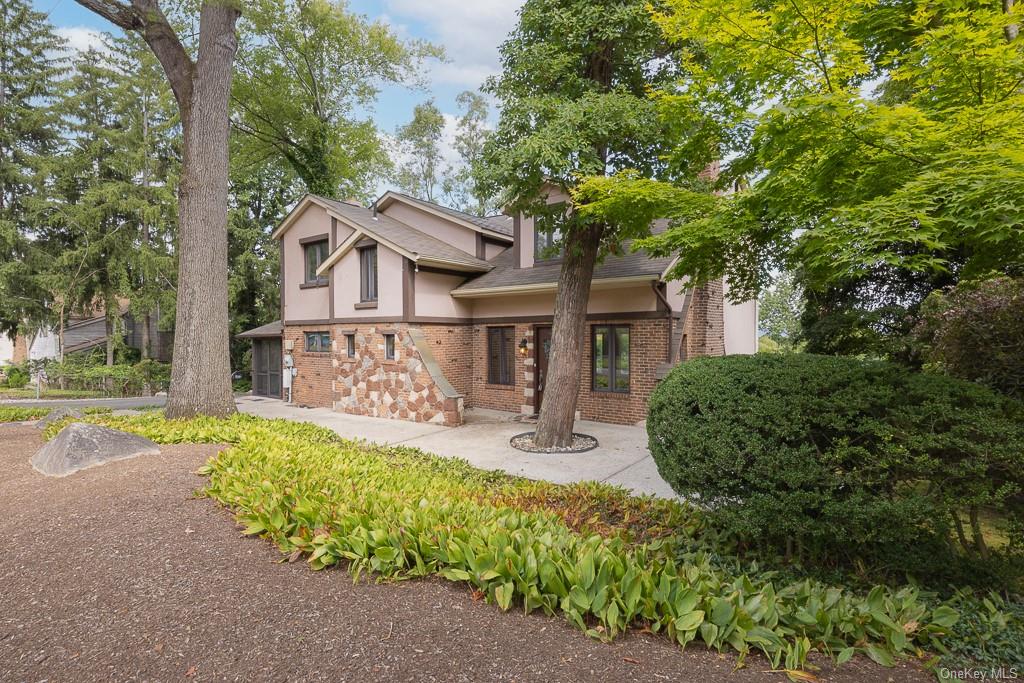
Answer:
[(314, 253), (548, 244)]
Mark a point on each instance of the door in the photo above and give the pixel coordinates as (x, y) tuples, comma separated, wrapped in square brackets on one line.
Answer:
[(542, 349), (266, 367)]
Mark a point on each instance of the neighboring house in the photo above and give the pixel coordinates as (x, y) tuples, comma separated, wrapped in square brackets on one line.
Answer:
[(88, 330), (414, 311)]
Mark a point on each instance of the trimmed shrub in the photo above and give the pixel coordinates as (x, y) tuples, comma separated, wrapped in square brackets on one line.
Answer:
[(839, 461), (976, 332)]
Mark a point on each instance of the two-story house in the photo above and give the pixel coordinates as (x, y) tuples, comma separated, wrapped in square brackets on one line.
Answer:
[(410, 310)]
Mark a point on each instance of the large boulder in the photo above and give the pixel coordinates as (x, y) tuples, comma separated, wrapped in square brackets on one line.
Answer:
[(81, 445), (56, 415)]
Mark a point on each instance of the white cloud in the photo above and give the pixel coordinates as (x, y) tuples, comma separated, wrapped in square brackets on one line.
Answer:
[(469, 31), (81, 38)]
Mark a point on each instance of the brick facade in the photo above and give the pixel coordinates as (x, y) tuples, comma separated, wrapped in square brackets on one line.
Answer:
[(369, 384)]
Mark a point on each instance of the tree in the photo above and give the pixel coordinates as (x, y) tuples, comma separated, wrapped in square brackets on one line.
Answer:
[(779, 311), (31, 67), (574, 102), (201, 373), (307, 72), (419, 142), (883, 142), (462, 186)]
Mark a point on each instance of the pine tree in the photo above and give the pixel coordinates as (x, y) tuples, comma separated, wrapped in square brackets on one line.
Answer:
[(31, 66)]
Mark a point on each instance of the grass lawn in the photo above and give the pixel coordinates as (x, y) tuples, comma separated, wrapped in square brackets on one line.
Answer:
[(604, 560), (30, 393)]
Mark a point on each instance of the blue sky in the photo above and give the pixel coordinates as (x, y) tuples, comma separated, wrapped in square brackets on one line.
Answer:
[(470, 32)]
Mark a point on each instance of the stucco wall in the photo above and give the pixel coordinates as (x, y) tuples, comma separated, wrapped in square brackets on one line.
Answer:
[(625, 300), (305, 304), (446, 231), (434, 299), (389, 285), (6, 349), (740, 325)]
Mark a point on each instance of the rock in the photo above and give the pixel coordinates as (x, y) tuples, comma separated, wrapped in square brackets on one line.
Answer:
[(56, 415), (81, 445)]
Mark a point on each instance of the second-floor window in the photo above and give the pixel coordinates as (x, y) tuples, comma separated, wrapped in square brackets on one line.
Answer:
[(368, 273), (315, 253), (547, 233)]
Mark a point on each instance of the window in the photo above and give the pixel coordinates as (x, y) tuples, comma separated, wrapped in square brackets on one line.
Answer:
[(350, 345), (501, 355), (611, 358), (547, 233), (315, 253), (368, 274), (389, 347), (318, 342)]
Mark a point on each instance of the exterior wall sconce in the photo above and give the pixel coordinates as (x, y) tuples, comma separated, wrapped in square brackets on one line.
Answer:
[(524, 348)]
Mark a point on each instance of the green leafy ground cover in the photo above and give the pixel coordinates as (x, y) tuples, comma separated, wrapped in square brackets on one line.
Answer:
[(23, 414), (604, 560)]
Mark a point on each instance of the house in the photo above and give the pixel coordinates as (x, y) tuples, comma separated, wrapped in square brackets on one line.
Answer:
[(414, 311)]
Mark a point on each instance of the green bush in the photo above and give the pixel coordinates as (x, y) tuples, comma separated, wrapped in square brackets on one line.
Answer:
[(17, 378), (402, 513), (840, 462), (975, 331)]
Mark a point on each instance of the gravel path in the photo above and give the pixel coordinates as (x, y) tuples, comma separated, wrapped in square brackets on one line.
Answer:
[(120, 573)]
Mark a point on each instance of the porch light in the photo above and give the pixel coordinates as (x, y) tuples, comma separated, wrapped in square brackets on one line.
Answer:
[(524, 348)]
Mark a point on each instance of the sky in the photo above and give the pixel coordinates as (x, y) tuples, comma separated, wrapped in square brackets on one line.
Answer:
[(470, 33)]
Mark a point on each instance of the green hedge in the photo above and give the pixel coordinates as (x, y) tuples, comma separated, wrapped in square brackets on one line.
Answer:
[(839, 461), (401, 513)]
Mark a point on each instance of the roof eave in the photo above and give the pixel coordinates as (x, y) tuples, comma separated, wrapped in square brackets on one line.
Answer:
[(543, 287)]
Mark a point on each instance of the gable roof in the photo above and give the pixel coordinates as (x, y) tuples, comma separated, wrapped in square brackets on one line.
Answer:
[(418, 246), (498, 225), (274, 329), (505, 277)]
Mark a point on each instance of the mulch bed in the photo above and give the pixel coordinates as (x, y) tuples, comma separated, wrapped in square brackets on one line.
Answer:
[(581, 443), (120, 572)]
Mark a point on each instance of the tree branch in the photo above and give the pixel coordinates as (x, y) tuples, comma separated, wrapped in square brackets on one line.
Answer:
[(117, 13)]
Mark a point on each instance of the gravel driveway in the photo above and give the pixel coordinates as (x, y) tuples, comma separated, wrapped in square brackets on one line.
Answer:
[(120, 573)]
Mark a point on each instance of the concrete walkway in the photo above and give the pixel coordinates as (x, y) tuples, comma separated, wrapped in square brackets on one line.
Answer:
[(621, 459)]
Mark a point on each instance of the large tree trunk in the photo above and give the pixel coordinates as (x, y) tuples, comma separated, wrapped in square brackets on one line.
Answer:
[(200, 372), (201, 369), (568, 332)]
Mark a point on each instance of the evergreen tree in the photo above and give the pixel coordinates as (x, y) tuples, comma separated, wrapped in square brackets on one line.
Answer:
[(31, 66)]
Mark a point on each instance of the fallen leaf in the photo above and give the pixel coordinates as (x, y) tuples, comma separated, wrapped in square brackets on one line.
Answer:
[(191, 673)]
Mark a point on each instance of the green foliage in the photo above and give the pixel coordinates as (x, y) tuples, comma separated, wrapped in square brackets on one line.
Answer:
[(988, 635), (922, 174), (18, 414), (121, 379), (16, 377), (574, 100), (976, 332), (401, 513), (33, 65), (779, 310), (842, 462), (419, 141), (463, 187), (305, 74)]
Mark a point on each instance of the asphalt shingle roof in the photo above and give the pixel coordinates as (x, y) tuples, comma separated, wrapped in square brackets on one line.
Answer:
[(273, 329), (498, 223), (628, 264), (405, 236)]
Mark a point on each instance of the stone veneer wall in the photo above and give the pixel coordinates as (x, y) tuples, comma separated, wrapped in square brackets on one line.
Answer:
[(403, 388)]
